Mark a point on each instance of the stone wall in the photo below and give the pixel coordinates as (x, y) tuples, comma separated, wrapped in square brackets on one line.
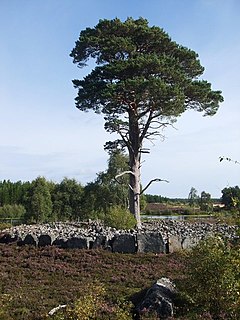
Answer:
[(154, 236)]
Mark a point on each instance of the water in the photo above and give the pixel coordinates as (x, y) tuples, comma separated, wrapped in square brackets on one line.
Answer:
[(178, 217)]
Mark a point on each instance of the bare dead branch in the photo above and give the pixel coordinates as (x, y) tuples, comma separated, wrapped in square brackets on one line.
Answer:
[(153, 133), (150, 182), (151, 137), (121, 174), (56, 309), (144, 151)]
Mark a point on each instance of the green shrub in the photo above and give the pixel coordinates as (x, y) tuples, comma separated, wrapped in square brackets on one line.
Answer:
[(228, 216), (5, 300), (87, 306), (116, 217), (189, 211), (214, 278), (4, 225), (12, 211), (92, 305), (119, 218)]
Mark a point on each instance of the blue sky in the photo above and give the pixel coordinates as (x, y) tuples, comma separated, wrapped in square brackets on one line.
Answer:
[(43, 134)]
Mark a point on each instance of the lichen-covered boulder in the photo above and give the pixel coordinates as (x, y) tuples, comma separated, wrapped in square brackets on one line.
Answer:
[(45, 240), (124, 243), (158, 299), (99, 242), (150, 242), (189, 242), (174, 243)]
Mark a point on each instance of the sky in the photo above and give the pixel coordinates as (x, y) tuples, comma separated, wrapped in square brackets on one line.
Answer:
[(44, 134)]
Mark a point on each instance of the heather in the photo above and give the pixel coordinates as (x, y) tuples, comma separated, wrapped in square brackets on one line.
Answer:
[(35, 280), (98, 284)]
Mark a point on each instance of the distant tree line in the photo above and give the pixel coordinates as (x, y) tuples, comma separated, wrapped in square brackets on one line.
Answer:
[(153, 198), (41, 200), (230, 198)]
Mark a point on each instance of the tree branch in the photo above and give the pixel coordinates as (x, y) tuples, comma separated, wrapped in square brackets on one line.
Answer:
[(124, 138), (56, 309), (145, 129), (150, 182), (124, 172), (121, 174)]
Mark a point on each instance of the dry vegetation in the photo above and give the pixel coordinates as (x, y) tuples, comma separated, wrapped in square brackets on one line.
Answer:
[(100, 285), (35, 280)]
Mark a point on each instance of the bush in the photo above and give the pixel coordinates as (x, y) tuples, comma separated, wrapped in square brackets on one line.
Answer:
[(87, 306), (214, 279), (92, 304), (5, 300), (115, 217), (119, 218), (12, 211), (230, 216), (190, 211), (4, 225)]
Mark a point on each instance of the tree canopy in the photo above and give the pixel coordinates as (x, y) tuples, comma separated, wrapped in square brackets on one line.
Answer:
[(142, 81), (106, 191), (231, 197)]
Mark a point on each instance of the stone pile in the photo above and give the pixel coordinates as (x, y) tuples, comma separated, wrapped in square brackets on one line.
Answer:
[(184, 235), (162, 236)]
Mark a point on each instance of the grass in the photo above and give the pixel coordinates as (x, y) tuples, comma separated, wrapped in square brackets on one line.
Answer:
[(35, 280)]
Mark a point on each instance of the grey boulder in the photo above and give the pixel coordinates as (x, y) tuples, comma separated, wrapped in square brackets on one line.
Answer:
[(158, 299)]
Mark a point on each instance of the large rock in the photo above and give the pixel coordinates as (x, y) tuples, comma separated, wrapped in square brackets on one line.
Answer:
[(60, 242), (190, 241), (30, 239), (77, 243), (174, 243), (99, 242), (45, 240), (124, 243), (150, 242), (7, 238), (158, 300)]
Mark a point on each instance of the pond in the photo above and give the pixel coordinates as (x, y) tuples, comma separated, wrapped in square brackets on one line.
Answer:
[(179, 217)]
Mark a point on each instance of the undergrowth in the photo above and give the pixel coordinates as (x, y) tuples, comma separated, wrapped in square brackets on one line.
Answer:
[(36, 280), (100, 285)]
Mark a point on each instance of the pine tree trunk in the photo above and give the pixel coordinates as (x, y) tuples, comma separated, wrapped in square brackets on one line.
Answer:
[(134, 163), (134, 191)]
